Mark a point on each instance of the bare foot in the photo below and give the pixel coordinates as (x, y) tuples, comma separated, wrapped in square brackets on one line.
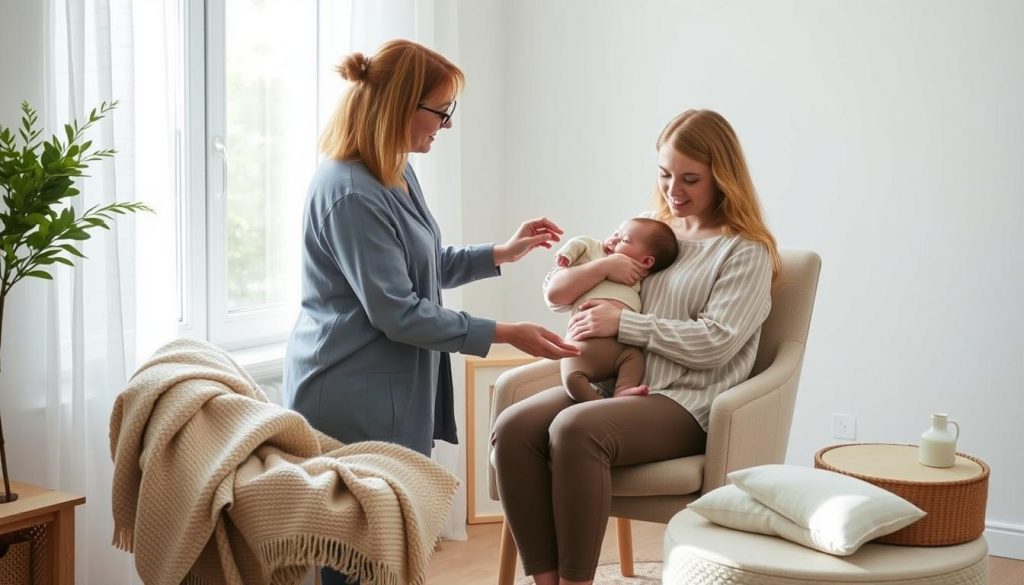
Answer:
[(640, 390)]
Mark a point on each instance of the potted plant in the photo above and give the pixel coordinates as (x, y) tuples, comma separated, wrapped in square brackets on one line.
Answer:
[(40, 227)]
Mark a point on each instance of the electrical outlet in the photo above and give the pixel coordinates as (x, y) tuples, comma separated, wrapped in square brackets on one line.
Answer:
[(844, 426)]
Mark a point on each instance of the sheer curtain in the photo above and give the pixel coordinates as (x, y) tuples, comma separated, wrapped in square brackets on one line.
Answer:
[(93, 336), (433, 23)]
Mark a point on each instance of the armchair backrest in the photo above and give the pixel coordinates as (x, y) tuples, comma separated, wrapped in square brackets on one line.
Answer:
[(792, 305), (749, 425)]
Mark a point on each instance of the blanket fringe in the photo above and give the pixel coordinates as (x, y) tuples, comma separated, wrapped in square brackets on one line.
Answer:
[(328, 552), (124, 538)]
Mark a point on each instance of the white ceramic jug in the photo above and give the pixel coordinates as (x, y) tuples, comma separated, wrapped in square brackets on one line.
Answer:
[(938, 442)]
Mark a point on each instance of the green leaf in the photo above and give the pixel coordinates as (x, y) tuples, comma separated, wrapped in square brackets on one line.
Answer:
[(50, 160), (72, 250), (40, 274), (76, 234), (95, 221)]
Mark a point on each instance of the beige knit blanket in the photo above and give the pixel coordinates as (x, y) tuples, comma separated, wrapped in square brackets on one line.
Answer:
[(214, 484)]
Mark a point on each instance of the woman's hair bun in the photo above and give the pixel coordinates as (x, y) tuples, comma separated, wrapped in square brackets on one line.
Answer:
[(353, 67)]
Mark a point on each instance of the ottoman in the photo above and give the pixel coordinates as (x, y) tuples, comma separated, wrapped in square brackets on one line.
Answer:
[(698, 552)]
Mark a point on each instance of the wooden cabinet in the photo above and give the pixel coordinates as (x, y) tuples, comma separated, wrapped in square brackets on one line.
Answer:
[(48, 517)]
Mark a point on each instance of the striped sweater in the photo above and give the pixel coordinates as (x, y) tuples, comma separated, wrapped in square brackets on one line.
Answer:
[(701, 320)]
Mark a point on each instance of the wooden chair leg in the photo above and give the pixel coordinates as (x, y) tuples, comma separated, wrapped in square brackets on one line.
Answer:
[(507, 557), (624, 534)]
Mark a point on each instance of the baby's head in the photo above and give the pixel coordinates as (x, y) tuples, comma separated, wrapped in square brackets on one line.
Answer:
[(648, 241)]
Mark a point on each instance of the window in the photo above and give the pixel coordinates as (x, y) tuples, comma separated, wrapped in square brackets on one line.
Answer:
[(257, 85)]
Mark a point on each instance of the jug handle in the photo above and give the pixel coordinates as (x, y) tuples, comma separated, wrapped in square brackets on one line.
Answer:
[(957, 436)]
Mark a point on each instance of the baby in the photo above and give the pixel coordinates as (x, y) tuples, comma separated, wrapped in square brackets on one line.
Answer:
[(653, 244)]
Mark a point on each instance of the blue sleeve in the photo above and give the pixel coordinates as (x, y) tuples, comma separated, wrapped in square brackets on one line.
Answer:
[(359, 234), (463, 265)]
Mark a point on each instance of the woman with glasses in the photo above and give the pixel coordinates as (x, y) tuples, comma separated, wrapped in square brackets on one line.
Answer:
[(699, 330), (368, 356)]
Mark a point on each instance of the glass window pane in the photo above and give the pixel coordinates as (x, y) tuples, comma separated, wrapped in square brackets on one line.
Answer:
[(271, 137)]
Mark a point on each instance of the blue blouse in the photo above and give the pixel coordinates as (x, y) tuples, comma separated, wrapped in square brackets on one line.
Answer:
[(368, 357)]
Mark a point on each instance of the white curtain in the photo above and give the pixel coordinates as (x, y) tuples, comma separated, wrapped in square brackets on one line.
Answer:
[(433, 23), (93, 338)]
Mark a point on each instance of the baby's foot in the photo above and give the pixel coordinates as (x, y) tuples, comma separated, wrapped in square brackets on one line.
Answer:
[(640, 390)]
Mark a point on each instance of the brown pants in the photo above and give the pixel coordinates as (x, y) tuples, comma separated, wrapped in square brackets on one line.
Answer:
[(600, 359), (554, 457)]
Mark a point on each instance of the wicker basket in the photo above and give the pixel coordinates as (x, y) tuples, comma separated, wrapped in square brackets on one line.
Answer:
[(956, 509), (14, 565)]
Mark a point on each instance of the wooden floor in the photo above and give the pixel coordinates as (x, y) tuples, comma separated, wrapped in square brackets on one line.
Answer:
[(475, 561)]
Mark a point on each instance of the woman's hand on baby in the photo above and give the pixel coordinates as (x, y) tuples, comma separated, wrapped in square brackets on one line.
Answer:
[(623, 269), (533, 234), (595, 318), (534, 340)]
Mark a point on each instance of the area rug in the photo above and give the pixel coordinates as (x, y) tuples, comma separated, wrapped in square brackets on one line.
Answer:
[(645, 573)]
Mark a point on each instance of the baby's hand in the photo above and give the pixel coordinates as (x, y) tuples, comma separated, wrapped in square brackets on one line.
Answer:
[(562, 261), (623, 269)]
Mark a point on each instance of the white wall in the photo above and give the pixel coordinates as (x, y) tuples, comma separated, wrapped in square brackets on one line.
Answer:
[(887, 136)]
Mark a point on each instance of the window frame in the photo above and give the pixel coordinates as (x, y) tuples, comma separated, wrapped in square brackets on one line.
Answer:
[(191, 207)]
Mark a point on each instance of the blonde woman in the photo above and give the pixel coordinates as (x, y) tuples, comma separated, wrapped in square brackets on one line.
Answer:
[(699, 332), (368, 356)]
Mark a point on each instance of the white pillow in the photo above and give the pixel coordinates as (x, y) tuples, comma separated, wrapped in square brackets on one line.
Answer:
[(839, 513), (734, 508)]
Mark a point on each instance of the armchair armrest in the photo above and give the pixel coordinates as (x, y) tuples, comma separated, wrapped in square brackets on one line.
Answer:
[(746, 426), (522, 382), (515, 385)]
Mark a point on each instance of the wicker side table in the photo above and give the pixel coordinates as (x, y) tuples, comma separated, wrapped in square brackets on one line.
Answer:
[(953, 497), (48, 516)]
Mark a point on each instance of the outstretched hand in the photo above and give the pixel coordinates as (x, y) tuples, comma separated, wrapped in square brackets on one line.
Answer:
[(596, 318), (534, 340), (533, 234)]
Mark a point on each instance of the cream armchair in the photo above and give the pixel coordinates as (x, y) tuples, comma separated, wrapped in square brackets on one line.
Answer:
[(749, 424)]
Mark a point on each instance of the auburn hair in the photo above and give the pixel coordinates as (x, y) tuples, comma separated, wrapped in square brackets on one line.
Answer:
[(706, 137), (372, 121)]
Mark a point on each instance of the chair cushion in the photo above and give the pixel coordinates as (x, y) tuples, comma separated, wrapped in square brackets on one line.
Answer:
[(827, 511), (674, 477)]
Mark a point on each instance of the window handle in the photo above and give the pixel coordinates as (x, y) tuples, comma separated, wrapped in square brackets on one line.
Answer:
[(222, 151)]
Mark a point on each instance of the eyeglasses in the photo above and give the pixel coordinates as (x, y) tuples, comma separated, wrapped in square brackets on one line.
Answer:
[(445, 116)]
